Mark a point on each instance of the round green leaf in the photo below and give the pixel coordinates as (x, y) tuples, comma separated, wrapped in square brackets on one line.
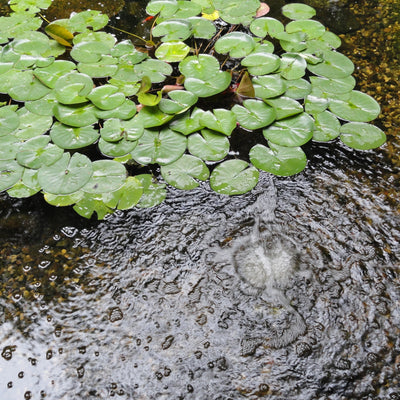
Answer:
[(327, 127), (209, 145), (262, 27), (125, 111), (180, 101), (297, 89), (360, 107), (75, 115), (9, 120), (278, 160), (285, 107), (219, 120), (156, 70), (237, 11), (106, 66), (127, 196), (107, 39), (95, 20), (106, 97), (89, 52), (31, 125), (38, 152), (151, 117), (269, 86), (335, 65), (293, 66), (9, 146), (172, 51), (362, 136), (92, 203), (201, 67), (49, 75), (187, 9), (153, 193), (63, 200), (292, 42), (313, 29), (43, 106), (166, 8), (108, 175), (73, 88), (333, 85), (71, 138), (217, 84), (26, 87), (173, 29), (67, 175), (237, 44), (10, 173), (161, 147), (20, 190), (298, 11), (234, 177), (183, 173), (29, 6), (116, 149), (202, 28), (254, 115), (291, 132), (259, 63), (188, 123)]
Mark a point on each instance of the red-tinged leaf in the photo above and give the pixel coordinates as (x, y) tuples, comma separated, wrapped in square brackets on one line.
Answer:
[(246, 86), (263, 10)]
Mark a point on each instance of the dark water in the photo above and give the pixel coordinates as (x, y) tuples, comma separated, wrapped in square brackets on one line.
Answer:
[(289, 292)]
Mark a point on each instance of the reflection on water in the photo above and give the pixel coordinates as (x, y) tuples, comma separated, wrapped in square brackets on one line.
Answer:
[(290, 292)]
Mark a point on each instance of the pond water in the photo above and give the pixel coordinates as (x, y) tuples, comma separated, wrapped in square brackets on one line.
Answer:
[(289, 292)]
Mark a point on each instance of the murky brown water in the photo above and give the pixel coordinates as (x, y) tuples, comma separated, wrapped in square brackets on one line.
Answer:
[(289, 292)]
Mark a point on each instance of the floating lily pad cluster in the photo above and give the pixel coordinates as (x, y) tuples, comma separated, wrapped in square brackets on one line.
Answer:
[(102, 125)]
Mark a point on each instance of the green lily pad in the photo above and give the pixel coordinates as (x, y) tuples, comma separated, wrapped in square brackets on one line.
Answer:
[(122, 48), (184, 172), (153, 192), (316, 102), (26, 87), (297, 11), (333, 85), (254, 115), (335, 65), (10, 173), (125, 111), (202, 28), (9, 146), (67, 175), (166, 8), (31, 44), (262, 27), (327, 127), (43, 106), (291, 132), (236, 11), (95, 20), (151, 117), (108, 175), (90, 52), (174, 51), (106, 97), (187, 9), (106, 66), (116, 149), (188, 123), (234, 177), (219, 120), (127, 196), (107, 39), (161, 147), (360, 107), (285, 107), (31, 124), (71, 138), (278, 160), (156, 70), (293, 66), (292, 42), (49, 75), (297, 89), (115, 129), (207, 6), (180, 101), (9, 120), (131, 58), (91, 203), (209, 145), (29, 6), (63, 200), (38, 152), (312, 29), (201, 67), (30, 179), (217, 83), (173, 29), (269, 86), (126, 74), (259, 63), (362, 136), (75, 115), (237, 44), (127, 88), (20, 190), (19, 23), (73, 88)]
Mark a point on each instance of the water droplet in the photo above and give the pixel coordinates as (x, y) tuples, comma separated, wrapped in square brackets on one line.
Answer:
[(80, 371), (167, 342), (190, 388), (20, 374), (9, 385), (28, 395), (44, 264), (7, 352), (26, 268), (49, 354), (57, 331), (263, 389), (69, 231)]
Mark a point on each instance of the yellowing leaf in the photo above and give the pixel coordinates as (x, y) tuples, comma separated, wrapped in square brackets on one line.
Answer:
[(211, 17), (60, 34)]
